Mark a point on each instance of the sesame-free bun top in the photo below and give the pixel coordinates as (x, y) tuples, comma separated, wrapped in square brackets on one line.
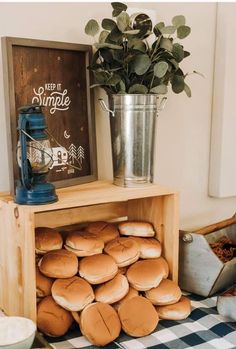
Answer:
[(125, 251), (52, 319), (98, 268), (103, 230), (47, 239), (138, 316), (73, 293), (146, 274), (177, 311), (149, 247), (59, 264), (143, 229), (112, 291), (83, 244), (131, 294), (100, 323), (167, 292), (43, 284)]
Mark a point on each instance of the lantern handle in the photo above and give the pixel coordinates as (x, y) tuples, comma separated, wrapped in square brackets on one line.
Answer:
[(25, 178)]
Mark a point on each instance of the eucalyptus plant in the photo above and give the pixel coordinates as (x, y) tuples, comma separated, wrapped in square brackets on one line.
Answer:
[(133, 56)]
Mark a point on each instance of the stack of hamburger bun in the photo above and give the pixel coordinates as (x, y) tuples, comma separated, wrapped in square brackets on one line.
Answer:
[(106, 278)]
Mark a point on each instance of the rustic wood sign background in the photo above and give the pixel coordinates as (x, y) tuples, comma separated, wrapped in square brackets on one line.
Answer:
[(55, 76)]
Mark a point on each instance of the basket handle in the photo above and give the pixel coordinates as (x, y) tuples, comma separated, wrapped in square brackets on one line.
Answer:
[(105, 107), (216, 226)]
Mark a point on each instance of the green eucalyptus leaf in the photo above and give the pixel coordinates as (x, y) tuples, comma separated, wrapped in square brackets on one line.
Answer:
[(166, 44), (100, 77), (119, 6), (108, 24), (178, 52), (160, 89), (138, 88), (183, 31), (157, 28), (113, 80), (132, 32), (107, 45), (102, 37), (178, 83), (137, 44), (169, 29), (122, 87), (186, 54), (123, 21), (160, 69), (115, 36), (178, 21), (92, 27), (187, 90), (141, 64)]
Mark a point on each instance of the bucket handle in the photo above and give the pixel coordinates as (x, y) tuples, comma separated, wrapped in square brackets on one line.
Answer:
[(105, 107), (160, 107)]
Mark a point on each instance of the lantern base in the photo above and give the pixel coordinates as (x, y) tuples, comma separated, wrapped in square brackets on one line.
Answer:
[(39, 194)]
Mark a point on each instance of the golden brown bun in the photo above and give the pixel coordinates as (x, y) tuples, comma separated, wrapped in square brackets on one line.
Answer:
[(113, 290), (149, 247), (146, 274), (43, 284), (52, 319), (103, 230), (131, 294), (59, 264), (138, 316), (125, 251), (100, 323), (47, 239), (177, 311), (143, 229), (73, 293), (168, 292), (98, 268), (83, 244)]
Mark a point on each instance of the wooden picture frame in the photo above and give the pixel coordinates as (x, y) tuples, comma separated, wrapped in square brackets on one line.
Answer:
[(54, 75)]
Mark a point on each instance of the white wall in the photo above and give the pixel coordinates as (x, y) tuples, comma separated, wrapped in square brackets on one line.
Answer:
[(183, 132)]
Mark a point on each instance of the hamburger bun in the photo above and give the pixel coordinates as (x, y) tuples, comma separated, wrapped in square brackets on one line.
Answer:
[(112, 291), (43, 284), (138, 316), (73, 293), (177, 311), (149, 247), (143, 229), (103, 230), (98, 268), (167, 292), (131, 294), (125, 251), (47, 239), (83, 244), (59, 264), (100, 323), (146, 274), (52, 319)]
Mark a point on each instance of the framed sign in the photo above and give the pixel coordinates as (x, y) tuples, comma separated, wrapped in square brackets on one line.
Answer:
[(55, 76)]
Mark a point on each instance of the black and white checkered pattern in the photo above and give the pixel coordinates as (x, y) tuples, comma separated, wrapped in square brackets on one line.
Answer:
[(203, 329)]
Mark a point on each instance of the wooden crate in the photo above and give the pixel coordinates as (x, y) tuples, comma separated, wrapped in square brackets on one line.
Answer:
[(99, 200)]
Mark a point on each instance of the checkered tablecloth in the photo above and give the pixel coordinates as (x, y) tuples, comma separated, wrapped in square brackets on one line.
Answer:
[(203, 329)]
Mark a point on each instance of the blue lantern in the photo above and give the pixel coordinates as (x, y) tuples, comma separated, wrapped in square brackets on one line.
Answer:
[(34, 156)]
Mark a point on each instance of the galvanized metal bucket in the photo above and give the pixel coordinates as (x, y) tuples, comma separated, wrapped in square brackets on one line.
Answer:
[(132, 121)]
